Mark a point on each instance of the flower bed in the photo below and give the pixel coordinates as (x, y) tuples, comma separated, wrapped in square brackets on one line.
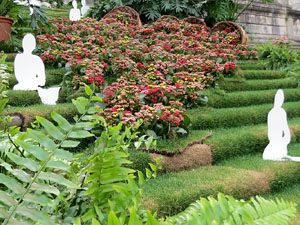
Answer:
[(161, 69)]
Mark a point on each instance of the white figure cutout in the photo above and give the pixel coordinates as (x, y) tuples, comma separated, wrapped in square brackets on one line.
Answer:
[(84, 7), (29, 68), (278, 131), (31, 11), (74, 13), (49, 96)]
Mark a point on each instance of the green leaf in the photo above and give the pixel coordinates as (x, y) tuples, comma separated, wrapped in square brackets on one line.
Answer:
[(59, 165), (28, 163), (39, 199), (34, 215), (45, 188), (12, 184), (113, 219), (61, 121), (20, 174), (78, 221), (80, 134), (36, 151), (95, 222), (80, 103), (50, 128), (133, 219), (57, 179), (42, 139), (151, 220), (7, 199), (69, 144), (62, 154), (88, 90)]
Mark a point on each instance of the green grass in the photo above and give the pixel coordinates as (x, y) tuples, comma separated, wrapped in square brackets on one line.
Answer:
[(232, 142), (208, 118), (231, 85), (263, 74), (248, 98), (240, 177)]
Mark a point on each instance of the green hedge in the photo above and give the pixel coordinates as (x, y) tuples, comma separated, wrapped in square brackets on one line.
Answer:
[(30, 112), (252, 66), (51, 79), (248, 98), (23, 98), (231, 85), (263, 74), (235, 117)]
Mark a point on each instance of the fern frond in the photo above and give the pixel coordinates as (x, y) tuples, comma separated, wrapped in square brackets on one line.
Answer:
[(227, 210), (37, 180)]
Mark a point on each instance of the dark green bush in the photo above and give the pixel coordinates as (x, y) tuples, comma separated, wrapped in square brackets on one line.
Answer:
[(140, 160)]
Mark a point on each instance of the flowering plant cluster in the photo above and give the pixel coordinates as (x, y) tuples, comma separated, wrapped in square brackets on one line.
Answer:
[(160, 69)]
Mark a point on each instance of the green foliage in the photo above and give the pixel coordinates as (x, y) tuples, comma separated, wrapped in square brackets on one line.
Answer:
[(278, 55), (150, 10), (40, 177), (226, 10), (231, 211), (6, 6)]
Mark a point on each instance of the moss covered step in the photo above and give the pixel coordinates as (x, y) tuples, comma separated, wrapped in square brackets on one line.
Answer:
[(241, 177), (232, 85), (247, 98), (228, 143), (29, 113), (263, 74), (209, 118)]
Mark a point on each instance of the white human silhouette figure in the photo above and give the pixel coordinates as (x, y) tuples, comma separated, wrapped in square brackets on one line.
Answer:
[(29, 69), (49, 96), (74, 13), (84, 7), (278, 131)]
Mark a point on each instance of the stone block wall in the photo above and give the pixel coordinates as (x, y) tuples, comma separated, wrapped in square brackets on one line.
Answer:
[(268, 21)]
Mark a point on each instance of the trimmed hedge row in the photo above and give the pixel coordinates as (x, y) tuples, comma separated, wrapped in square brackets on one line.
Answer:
[(66, 110), (235, 117), (232, 85), (257, 66), (51, 80), (171, 193), (248, 98), (263, 74)]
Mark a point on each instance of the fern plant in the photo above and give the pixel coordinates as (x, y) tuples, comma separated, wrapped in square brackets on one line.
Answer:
[(227, 210), (39, 172)]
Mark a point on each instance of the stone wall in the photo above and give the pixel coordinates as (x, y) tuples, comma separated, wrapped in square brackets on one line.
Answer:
[(268, 21)]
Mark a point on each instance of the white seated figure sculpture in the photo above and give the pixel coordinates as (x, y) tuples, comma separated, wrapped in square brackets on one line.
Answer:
[(29, 69), (49, 96), (278, 131), (74, 13), (84, 7)]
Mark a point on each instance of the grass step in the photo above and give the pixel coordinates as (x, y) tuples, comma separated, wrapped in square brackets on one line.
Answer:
[(240, 177), (247, 98), (209, 118), (263, 74), (67, 110), (252, 66), (232, 142), (232, 85)]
